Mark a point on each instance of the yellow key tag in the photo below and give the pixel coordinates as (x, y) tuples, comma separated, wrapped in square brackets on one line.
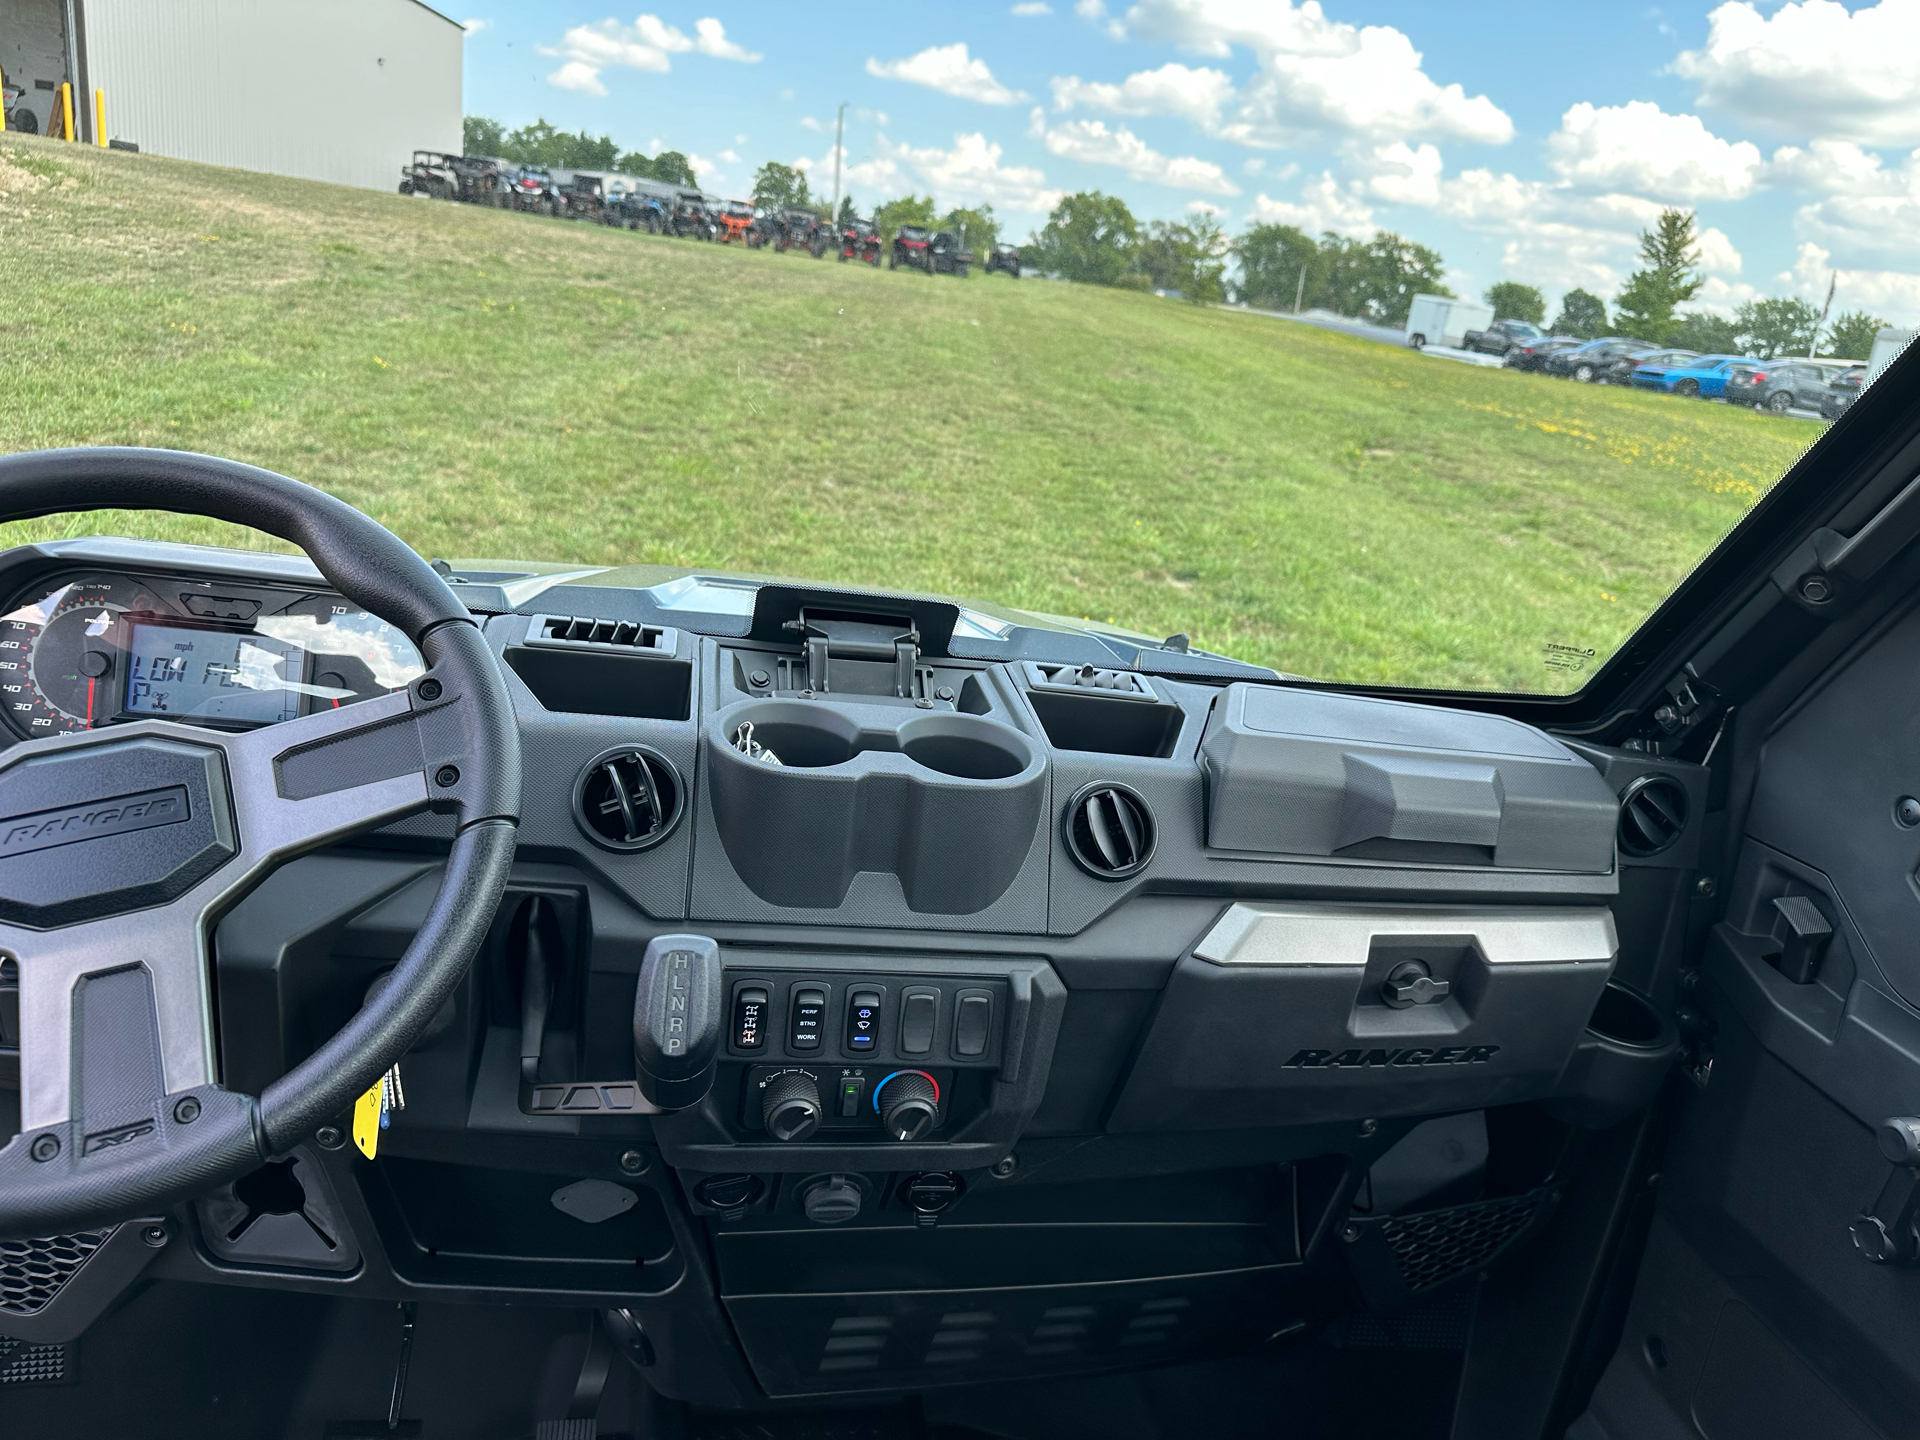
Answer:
[(366, 1119)]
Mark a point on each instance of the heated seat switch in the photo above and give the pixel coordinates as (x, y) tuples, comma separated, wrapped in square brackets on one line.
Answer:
[(790, 1105), (908, 1102), (863, 1022)]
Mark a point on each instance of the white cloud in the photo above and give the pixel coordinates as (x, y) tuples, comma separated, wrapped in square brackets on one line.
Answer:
[(971, 172), (1090, 9), (950, 70), (1834, 167), (1317, 75), (1173, 89), (1814, 67), (474, 27), (732, 157), (1092, 143), (807, 122), (1717, 255), (1404, 175), (1324, 204), (1028, 8), (1639, 148), (648, 44), (1892, 294), (1205, 207)]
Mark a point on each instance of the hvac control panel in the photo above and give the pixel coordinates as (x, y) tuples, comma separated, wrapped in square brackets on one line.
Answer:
[(889, 1056)]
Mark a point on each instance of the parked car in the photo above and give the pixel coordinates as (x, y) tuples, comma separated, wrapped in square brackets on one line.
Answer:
[(910, 244), (736, 222), (1842, 390), (1005, 259), (534, 190), (432, 174), (1534, 353), (1584, 362), (1705, 375), (1619, 370), (859, 240), (1501, 336), (948, 256), (1782, 385)]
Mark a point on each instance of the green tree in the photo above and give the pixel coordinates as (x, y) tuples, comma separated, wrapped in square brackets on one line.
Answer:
[(907, 210), (1779, 327), (1189, 259), (1271, 259), (1851, 335), (541, 144), (847, 213), (1513, 301), (1709, 334), (1377, 279), (977, 229), (781, 187), (669, 167), (481, 136), (1582, 315), (1089, 237), (1666, 280)]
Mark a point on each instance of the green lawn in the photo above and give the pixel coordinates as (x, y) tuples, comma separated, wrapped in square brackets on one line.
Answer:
[(492, 384)]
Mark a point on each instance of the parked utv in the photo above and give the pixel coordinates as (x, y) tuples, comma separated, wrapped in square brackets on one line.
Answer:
[(535, 191), (911, 248), (432, 174), (859, 240), (640, 208), (485, 180), (1006, 259), (583, 197), (947, 256), (736, 222), (690, 216), (799, 229)]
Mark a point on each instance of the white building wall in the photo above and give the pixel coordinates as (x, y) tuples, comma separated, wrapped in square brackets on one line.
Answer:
[(340, 90)]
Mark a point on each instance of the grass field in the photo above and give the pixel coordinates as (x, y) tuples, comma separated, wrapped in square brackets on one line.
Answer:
[(492, 384)]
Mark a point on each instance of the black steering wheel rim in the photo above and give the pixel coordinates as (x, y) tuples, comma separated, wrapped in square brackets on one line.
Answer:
[(459, 720)]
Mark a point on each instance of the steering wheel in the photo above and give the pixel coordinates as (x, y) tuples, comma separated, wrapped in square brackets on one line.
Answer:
[(121, 847)]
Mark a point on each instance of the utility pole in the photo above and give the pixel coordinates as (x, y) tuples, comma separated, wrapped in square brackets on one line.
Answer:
[(1814, 343), (1300, 290), (839, 136)]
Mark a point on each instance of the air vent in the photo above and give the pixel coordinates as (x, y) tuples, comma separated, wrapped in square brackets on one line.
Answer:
[(601, 634), (1653, 815), (1122, 684), (1109, 830), (629, 799)]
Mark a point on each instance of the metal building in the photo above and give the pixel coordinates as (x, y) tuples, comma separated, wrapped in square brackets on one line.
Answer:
[(341, 90)]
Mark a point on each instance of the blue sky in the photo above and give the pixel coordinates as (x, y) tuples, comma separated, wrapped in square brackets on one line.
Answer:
[(1523, 141)]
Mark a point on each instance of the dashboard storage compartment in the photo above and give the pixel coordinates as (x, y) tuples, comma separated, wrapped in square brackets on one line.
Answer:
[(1296, 772), (1300, 1014), (582, 681), (946, 802)]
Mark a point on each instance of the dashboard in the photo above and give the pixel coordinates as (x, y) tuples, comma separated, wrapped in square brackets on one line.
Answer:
[(1045, 970)]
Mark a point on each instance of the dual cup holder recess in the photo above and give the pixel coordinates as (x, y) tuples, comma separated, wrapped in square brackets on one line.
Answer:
[(809, 793)]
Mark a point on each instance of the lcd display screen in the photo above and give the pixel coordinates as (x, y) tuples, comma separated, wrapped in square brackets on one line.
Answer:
[(193, 674)]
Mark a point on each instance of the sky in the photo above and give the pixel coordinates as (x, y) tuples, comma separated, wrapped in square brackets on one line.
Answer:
[(1523, 141)]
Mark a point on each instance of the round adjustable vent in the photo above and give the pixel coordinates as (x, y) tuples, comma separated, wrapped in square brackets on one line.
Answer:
[(629, 799), (1653, 815), (1109, 830)]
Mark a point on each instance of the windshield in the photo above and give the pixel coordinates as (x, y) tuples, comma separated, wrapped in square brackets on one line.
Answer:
[(1241, 385)]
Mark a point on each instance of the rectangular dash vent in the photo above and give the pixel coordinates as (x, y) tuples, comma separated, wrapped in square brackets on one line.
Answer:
[(624, 635), (1090, 680)]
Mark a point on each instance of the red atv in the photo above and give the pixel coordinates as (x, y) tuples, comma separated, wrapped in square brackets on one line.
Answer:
[(859, 240), (912, 247)]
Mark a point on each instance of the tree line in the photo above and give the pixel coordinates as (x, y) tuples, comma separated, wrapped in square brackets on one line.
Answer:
[(541, 144)]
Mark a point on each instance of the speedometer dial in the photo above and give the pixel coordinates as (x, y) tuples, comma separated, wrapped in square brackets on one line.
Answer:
[(59, 656)]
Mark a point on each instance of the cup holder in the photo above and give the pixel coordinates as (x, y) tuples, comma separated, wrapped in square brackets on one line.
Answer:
[(861, 788), (1626, 1019)]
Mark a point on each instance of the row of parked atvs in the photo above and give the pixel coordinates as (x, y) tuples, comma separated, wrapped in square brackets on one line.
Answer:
[(636, 203)]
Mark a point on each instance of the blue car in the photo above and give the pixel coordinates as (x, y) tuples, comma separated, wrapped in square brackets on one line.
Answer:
[(1706, 375)]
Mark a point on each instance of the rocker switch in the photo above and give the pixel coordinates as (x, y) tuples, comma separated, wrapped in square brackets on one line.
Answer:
[(863, 1021), (808, 1017), (750, 1018), (972, 1023), (919, 1010)]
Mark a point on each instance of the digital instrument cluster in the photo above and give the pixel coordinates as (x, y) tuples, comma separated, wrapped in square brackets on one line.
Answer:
[(81, 650)]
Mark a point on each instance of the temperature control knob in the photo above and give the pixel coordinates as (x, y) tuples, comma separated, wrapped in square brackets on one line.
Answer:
[(908, 1102), (791, 1105)]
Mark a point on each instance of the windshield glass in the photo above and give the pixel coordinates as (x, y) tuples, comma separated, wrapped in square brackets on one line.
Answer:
[(1193, 335)]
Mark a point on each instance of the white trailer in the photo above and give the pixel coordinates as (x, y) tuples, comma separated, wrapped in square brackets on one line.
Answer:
[(1887, 345), (1442, 320)]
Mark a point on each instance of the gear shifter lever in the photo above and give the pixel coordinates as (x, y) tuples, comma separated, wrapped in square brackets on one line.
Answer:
[(677, 1013)]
